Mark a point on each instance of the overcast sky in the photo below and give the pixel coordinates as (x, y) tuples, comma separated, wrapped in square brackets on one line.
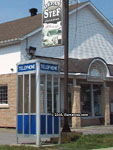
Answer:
[(15, 9)]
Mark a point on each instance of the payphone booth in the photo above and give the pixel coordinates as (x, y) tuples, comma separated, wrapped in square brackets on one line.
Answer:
[(38, 98)]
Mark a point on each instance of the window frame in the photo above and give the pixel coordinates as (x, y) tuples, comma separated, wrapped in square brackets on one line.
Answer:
[(92, 100), (4, 101)]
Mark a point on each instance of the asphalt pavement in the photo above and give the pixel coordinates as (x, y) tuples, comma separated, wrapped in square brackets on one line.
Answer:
[(8, 136)]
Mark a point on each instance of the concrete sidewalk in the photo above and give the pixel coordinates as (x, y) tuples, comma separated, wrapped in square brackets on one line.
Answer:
[(11, 139), (95, 130), (8, 136)]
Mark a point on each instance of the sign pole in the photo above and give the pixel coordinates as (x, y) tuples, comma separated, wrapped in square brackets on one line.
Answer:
[(66, 12), (38, 105)]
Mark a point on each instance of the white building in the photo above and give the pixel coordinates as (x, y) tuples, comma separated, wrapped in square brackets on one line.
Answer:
[(90, 64)]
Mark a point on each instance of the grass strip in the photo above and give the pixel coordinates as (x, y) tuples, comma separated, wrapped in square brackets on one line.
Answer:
[(86, 142)]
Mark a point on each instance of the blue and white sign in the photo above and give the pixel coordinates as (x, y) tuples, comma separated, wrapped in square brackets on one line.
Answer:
[(27, 67), (49, 67)]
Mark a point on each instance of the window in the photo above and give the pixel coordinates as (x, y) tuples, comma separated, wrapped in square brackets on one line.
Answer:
[(97, 99), (91, 99), (42, 93), (27, 93), (3, 94), (20, 94), (49, 94), (33, 93), (55, 94), (86, 99)]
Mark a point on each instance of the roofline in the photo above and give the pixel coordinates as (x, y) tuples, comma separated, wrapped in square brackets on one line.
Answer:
[(76, 74), (9, 42), (97, 11), (88, 3), (78, 8), (39, 29), (106, 22), (84, 75), (31, 33)]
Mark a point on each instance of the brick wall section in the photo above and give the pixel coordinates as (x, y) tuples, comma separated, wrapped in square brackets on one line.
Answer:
[(8, 114), (106, 105), (76, 107)]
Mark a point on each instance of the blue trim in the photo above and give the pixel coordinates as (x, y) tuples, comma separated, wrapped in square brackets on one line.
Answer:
[(33, 124), (20, 124), (56, 125), (49, 67), (49, 124), (43, 124), (27, 67), (26, 124)]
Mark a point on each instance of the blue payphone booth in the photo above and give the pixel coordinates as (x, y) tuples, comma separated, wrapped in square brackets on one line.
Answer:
[(38, 98)]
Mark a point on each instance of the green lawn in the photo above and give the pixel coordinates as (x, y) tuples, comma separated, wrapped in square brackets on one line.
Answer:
[(83, 143)]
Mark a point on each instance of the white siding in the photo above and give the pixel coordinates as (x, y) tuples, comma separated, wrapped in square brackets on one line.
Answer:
[(35, 41), (9, 57), (90, 38)]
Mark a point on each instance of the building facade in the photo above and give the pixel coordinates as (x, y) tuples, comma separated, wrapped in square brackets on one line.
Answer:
[(90, 64)]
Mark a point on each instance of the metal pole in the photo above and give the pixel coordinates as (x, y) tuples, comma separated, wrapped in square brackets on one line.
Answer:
[(66, 9), (23, 100), (29, 103), (38, 105), (17, 105)]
